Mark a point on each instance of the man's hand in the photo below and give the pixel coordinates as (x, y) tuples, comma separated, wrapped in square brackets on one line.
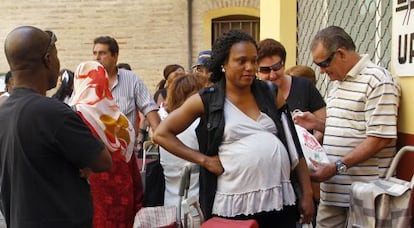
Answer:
[(309, 121), (322, 171)]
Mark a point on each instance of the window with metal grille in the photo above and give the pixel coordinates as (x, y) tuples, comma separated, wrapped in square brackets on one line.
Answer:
[(249, 24)]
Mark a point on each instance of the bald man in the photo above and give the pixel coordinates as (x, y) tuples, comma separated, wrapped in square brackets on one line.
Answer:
[(45, 147)]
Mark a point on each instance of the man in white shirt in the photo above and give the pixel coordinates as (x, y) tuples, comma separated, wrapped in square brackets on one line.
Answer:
[(361, 124)]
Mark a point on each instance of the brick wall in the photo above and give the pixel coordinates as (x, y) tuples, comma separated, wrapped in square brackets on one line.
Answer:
[(151, 34)]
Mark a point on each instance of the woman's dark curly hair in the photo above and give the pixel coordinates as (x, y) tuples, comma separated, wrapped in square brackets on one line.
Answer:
[(221, 51)]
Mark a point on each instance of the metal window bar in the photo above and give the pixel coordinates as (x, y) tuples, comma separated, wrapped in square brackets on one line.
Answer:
[(249, 26)]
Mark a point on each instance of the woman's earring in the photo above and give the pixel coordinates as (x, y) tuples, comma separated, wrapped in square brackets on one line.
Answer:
[(222, 69)]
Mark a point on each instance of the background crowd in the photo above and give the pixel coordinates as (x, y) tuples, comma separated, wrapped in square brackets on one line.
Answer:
[(71, 160)]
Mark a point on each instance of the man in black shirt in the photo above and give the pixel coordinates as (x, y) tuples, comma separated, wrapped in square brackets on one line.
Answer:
[(45, 148)]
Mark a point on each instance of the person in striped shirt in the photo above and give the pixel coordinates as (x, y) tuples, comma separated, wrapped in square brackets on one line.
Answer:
[(361, 122), (130, 93)]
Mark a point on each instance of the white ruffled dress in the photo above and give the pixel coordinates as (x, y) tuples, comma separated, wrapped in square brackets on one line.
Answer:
[(256, 167)]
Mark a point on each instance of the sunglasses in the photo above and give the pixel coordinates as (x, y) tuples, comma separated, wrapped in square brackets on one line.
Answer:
[(268, 69), (52, 41), (327, 61)]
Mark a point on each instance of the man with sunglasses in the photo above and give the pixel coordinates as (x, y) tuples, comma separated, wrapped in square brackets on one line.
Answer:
[(44, 145), (361, 124), (299, 93)]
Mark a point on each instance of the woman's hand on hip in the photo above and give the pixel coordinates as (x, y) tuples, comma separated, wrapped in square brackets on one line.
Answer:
[(213, 164)]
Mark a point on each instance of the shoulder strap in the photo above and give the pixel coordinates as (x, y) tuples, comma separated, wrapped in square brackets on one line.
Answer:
[(286, 127)]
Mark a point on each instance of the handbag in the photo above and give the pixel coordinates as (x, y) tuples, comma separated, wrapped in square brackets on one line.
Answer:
[(152, 176), (170, 216), (382, 203), (162, 216)]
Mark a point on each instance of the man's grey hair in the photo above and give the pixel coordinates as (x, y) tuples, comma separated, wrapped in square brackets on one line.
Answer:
[(332, 38)]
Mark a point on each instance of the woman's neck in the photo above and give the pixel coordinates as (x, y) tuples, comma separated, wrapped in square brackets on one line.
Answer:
[(285, 86)]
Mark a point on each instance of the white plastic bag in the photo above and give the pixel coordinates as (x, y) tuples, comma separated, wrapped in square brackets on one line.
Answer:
[(311, 147)]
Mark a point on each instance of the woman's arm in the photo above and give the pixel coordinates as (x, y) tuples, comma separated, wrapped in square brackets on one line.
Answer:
[(176, 122), (306, 202)]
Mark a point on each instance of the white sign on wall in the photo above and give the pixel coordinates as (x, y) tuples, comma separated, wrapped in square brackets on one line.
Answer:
[(403, 37)]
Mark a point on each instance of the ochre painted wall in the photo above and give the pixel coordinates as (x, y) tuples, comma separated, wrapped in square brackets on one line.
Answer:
[(278, 21), (406, 113)]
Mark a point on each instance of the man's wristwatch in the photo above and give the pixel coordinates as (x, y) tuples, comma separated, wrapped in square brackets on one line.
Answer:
[(340, 167)]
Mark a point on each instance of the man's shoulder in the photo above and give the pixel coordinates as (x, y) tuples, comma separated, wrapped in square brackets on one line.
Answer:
[(48, 107), (126, 73), (50, 103), (127, 78), (370, 68), (379, 75)]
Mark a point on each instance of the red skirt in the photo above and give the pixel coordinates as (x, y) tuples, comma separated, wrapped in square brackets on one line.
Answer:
[(117, 194)]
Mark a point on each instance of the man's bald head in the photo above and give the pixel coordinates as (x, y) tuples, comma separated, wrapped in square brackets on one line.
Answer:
[(32, 57), (25, 47)]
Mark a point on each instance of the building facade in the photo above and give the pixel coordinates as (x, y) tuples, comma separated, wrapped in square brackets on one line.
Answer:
[(152, 34)]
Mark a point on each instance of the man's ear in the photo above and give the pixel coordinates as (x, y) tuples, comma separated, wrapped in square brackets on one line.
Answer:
[(46, 60), (341, 52)]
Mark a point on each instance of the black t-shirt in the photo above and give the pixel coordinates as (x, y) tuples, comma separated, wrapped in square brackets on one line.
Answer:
[(43, 145), (304, 96)]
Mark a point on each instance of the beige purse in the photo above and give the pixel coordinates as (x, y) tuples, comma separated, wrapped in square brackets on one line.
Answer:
[(382, 203)]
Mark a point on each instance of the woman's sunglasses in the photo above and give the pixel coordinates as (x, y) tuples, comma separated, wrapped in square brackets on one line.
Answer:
[(274, 67)]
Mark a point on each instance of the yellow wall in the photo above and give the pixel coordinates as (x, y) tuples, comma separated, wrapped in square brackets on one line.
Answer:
[(406, 113), (210, 15), (278, 21)]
